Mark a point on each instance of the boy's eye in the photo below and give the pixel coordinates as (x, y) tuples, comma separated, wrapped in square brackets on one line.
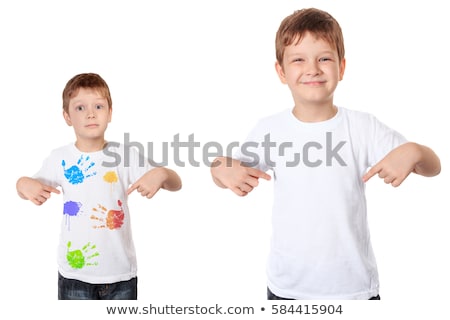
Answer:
[(79, 108), (325, 59), (98, 107), (298, 60)]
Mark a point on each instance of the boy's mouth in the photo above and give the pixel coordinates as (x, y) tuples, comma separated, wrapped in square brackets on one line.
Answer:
[(313, 83)]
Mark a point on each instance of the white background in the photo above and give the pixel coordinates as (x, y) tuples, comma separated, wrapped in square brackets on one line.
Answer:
[(207, 68)]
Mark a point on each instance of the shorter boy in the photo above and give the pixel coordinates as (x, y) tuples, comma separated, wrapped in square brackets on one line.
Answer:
[(319, 154), (96, 254)]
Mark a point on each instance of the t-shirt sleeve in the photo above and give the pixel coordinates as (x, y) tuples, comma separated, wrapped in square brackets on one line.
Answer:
[(383, 140), (138, 165), (48, 173), (252, 151)]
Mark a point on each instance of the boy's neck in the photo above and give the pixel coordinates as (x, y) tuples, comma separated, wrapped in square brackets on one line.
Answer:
[(314, 113), (90, 145)]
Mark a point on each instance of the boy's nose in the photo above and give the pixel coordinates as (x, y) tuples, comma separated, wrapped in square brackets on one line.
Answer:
[(313, 69), (91, 114)]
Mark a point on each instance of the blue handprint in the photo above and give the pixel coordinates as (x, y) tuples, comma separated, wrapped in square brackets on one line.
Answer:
[(76, 174)]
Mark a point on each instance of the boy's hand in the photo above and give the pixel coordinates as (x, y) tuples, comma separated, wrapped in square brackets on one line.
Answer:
[(33, 190), (232, 174), (155, 179), (396, 166)]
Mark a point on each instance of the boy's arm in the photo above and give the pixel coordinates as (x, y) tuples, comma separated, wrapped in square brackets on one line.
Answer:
[(232, 174), (33, 190), (401, 161), (429, 165), (155, 179)]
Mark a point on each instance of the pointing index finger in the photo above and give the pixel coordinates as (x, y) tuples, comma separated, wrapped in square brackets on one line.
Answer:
[(258, 174), (51, 189), (132, 188), (369, 174)]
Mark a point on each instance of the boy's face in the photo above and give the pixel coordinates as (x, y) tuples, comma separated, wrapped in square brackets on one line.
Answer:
[(312, 70), (89, 114)]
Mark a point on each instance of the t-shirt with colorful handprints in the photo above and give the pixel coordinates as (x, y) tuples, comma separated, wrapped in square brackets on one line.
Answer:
[(96, 244)]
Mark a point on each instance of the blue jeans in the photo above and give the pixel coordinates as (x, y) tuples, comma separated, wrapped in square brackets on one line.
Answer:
[(272, 296), (71, 289)]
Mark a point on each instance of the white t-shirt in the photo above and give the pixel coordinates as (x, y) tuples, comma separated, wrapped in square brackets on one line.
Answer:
[(320, 246), (96, 244)]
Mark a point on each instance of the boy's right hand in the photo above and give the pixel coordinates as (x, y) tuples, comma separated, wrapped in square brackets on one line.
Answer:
[(33, 190), (232, 174)]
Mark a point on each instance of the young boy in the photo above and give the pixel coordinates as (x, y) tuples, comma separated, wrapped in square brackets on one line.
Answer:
[(96, 254), (320, 155)]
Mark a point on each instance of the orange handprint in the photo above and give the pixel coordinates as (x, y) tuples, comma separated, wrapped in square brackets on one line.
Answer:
[(113, 220)]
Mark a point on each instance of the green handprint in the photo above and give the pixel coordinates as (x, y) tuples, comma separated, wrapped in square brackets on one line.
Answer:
[(77, 259)]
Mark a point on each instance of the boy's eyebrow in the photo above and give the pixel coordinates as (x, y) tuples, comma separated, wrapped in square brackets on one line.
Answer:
[(102, 99), (329, 52), (301, 53)]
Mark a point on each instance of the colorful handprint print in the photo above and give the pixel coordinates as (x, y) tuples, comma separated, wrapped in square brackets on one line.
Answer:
[(78, 173)]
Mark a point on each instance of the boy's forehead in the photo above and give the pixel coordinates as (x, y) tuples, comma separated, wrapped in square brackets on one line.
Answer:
[(87, 92), (308, 41), (87, 95), (309, 36)]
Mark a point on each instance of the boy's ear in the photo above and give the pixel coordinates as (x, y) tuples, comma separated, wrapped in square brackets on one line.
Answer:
[(110, 114), (67, 118), (280, 72), (342, 69)]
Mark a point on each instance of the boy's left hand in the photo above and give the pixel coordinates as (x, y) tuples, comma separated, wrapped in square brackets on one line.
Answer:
[(395, 167), (150, 183)]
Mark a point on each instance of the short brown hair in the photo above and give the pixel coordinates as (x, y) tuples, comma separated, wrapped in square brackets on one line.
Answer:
[(87, 81), (318, 22)]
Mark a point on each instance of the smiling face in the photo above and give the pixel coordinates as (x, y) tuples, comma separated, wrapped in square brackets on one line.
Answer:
[(88, 113), (312, 70)]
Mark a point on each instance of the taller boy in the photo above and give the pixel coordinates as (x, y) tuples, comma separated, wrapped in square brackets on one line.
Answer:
[(320, 157)]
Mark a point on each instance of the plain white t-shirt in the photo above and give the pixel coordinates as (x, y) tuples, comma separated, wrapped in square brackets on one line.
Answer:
[(320, 246)]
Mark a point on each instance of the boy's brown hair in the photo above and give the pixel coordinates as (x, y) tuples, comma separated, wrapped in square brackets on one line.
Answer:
[(318, 22), (86, 81)]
